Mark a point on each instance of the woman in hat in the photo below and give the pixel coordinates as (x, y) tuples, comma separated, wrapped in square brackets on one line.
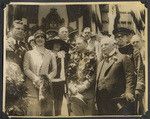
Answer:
[(37, 62), (60, 49)]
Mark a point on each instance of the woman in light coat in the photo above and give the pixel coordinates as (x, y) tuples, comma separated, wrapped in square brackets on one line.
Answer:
[(37, 62)]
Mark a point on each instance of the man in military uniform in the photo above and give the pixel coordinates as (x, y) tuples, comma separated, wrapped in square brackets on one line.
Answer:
[(81, 73), (123, 38), (114, 81)]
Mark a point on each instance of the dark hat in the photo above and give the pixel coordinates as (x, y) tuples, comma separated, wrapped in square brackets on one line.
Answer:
[(64, 45), (39, 33), (122, 31)]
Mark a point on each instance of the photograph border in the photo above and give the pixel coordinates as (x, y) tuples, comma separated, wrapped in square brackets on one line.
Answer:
[(147, 114)]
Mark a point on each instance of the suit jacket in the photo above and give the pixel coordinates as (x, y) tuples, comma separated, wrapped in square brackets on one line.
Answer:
[(32, 71), (117, 77), (137, 60)]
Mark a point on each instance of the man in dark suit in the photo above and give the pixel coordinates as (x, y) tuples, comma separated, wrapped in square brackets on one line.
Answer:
[(115, 82), (124, 40)]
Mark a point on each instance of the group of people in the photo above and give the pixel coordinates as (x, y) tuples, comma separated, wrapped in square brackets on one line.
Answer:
[(97, 75)]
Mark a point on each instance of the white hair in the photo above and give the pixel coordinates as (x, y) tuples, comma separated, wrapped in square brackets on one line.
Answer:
[(110, 39)]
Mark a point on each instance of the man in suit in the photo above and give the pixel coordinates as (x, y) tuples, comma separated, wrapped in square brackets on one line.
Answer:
[(126, 46), (82, 73), (16, 41), (115, 83)]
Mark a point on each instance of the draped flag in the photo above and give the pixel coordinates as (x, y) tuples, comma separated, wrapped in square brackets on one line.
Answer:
[(139, 20), (117, 18), (75, 11), (96, 21)]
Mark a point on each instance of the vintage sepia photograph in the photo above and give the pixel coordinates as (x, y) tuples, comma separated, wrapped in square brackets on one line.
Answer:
[(75, 59)]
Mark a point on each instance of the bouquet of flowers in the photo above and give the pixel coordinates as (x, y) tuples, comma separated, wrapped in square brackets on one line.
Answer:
[(15, 89)]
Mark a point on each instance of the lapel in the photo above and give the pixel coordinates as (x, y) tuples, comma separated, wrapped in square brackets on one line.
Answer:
[(99, 68), (108, 66)]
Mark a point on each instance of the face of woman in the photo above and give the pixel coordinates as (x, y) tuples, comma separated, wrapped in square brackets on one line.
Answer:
[(40, 41), (56, 47)]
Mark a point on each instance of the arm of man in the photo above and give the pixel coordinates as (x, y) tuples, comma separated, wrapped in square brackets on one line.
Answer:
[(130, 79), (140, 86)]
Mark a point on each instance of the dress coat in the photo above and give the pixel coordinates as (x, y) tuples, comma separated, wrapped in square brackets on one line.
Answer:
[(113, 79), (34, 66)]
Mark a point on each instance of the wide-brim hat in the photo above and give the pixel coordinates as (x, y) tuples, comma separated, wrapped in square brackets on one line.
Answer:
[(64, 45), (123, 31)]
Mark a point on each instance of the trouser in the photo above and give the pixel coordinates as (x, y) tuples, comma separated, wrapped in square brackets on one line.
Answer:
[(107, 106), (79, 110)]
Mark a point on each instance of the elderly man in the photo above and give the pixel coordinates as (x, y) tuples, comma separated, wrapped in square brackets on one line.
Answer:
[(124, 39), (82, 75), (115, 82), (63, 34)]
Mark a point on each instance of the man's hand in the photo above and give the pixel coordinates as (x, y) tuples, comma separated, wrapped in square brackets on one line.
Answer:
[(137, 94), (129, 97)]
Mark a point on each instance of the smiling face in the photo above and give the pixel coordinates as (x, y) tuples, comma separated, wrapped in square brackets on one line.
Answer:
[(40, 40), (18, 31)]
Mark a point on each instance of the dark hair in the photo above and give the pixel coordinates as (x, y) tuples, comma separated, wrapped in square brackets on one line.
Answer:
[(15, 22)]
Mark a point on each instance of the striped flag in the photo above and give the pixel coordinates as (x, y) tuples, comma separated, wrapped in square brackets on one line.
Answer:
[(96, 22)]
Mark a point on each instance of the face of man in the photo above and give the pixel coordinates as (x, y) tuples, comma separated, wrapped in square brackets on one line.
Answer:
[(121, 40), (40, 40), (18, 31), (80, 44), (107, 45), (63, 33), (135, 41), (87, 33)]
